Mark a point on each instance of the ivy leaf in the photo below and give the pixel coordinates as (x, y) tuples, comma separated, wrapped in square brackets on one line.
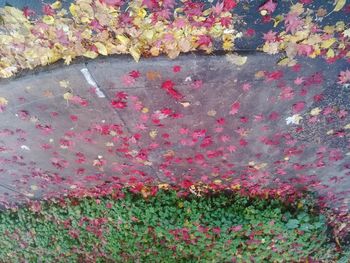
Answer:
[(292, 223)]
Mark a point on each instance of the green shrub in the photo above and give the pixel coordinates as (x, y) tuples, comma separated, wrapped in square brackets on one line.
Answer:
[(164, 228)]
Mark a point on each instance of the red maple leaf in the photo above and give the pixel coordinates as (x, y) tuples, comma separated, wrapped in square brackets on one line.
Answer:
[(118, 104), (229, 4), (298, 107), (274, 75), (112, 2), (121, 95), (292, 22), (344, 77), (269, 6), (234, 108), (168, 86), (135, 74), (95, 24), (28, 12), (150, 4), (168, 3), (270, 36), (177, 68), (204, 40), (48, 10)]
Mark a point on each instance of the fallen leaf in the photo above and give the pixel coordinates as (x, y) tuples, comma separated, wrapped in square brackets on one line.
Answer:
[(153, 134), (295, 119), (236, 59), (67, 96), (185, 104), (64, 83), (101, 48), (135, 53), (90, 54), (153, 75), (3, 101), (328, 43), (49, 20), (315, 111), (339, 4), (211, 113)]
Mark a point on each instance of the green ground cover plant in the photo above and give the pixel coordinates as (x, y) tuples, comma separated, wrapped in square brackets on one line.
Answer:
[(166, 227)]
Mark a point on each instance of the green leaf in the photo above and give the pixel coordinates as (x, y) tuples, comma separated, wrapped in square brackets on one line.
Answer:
[(292, 223)]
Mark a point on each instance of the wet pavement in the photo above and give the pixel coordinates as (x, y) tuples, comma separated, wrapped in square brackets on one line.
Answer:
[(195, 118), (198, 118)]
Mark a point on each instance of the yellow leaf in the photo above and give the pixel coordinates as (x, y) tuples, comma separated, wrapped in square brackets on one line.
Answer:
[(271, 48), (346, 33), (297, 8), (64, 83), (85, 19), (73, 9), (339, 4), (211, 113), (315, 111), (227, 45), (148, 34), (185, 104), (135, 53), (284, 61), (90, 54), (173, 53), (123, 39), (163, 186), (329, 29), (277, 20), (236, 187), (56, 5), (101, 48), (340, 26), (327, 43), (15, 14), (184, 45), (259, 74), (49, 20), (263, 12), (330, 53), (3, 101), (34, 187), (154, 51), (330, 132), (67, 59), (153, 134), (67, 96), (235, 59), (142, 13)]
